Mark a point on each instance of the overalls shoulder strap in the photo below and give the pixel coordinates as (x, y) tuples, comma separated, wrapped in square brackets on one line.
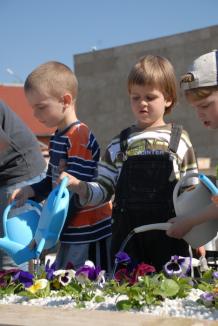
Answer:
[(175, 137), (123, 139)]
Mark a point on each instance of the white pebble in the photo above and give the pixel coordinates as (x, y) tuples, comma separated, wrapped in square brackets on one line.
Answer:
[(186, 307)]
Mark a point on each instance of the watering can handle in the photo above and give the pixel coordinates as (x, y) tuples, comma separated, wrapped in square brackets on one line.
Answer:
[(10, 206), (150, 227), (40, 247), (180, 182), (60, 188), (208, 183)]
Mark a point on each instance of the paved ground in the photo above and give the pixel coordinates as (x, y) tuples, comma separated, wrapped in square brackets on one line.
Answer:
[(18, 315)]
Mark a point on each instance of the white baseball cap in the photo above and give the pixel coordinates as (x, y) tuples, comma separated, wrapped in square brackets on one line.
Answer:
[(204, 70)]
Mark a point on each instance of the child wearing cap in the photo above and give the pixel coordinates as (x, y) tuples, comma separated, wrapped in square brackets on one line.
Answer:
[(142, 164), (200, 86)]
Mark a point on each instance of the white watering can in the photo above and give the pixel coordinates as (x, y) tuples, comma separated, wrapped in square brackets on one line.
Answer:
[(187, 203), (192, 202)]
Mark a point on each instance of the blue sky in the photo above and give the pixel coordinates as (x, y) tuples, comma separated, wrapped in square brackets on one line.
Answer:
[(33, 32)]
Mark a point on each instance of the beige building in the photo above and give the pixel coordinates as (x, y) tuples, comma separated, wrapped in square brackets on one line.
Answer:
[(103, 99)]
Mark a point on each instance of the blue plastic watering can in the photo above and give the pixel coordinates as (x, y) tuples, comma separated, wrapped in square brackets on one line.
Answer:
[(43, 223)]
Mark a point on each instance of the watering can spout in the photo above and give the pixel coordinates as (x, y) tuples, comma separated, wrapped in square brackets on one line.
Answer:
[(10, 247), (16, 251)]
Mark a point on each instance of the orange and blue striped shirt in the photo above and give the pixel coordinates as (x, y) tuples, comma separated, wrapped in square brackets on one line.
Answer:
[(75, 150)]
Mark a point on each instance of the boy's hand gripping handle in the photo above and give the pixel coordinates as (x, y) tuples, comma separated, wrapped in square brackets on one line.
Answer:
[(209, 184), (60, 188)]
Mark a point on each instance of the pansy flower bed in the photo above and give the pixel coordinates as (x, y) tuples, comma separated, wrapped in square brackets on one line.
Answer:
[(131, 288)]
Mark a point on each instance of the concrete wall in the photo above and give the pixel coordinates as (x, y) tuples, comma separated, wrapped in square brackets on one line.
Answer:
[(103, 99)]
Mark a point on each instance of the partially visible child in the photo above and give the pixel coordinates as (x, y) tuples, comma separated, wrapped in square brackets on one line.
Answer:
[(51, 90), (142, 165), (200, 86), (21, 164)]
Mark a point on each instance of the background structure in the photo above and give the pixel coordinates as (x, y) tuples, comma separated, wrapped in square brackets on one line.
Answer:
[(103, 99)]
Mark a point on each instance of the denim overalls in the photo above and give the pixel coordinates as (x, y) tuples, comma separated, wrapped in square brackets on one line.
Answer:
[(144, 195)]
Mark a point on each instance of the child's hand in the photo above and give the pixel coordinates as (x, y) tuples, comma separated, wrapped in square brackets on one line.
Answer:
[(74, 184), (72, 181), (32, 244), (200, 251), (21, 195), (215, 200), (180, 226)]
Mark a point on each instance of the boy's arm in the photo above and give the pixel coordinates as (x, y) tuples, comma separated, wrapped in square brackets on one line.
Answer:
[(21, 195), (42, 189), (182, 225), (38, 191), (86, 176), (189, 163)]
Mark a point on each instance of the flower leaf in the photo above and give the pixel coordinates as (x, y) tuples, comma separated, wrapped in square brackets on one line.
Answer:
[(99, 299), (123, 305), (168, 288)]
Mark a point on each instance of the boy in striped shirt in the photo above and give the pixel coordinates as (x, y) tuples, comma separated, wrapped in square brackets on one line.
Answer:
[(51, 90)]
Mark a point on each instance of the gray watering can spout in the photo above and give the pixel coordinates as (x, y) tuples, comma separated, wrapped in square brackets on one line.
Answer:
[(140, 229)]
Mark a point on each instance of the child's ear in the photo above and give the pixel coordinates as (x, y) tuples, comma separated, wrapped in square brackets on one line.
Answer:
[(67, 99), (168, 103)]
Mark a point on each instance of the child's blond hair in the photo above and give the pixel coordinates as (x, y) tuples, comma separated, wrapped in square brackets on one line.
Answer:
[(53, 78), (196, 93), (158, 72)]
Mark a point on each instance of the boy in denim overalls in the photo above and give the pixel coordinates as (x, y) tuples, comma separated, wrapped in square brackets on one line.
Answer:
[(142, 165)]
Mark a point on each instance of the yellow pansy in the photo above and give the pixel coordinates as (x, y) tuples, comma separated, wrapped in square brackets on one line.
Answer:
[(38, 285)]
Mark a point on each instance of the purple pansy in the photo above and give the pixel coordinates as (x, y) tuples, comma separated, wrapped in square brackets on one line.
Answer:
[(65, 276), (23, 277), (50, 270), (90, 272), (122, 258), (215, 275), (178, 266), (207, 298)]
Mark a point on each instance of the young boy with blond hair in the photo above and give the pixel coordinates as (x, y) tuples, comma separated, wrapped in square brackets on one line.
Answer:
[(142, 165), (51, 90), (200, 86)]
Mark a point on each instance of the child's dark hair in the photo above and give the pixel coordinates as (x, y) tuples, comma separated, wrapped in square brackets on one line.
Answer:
[(157, 72)]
